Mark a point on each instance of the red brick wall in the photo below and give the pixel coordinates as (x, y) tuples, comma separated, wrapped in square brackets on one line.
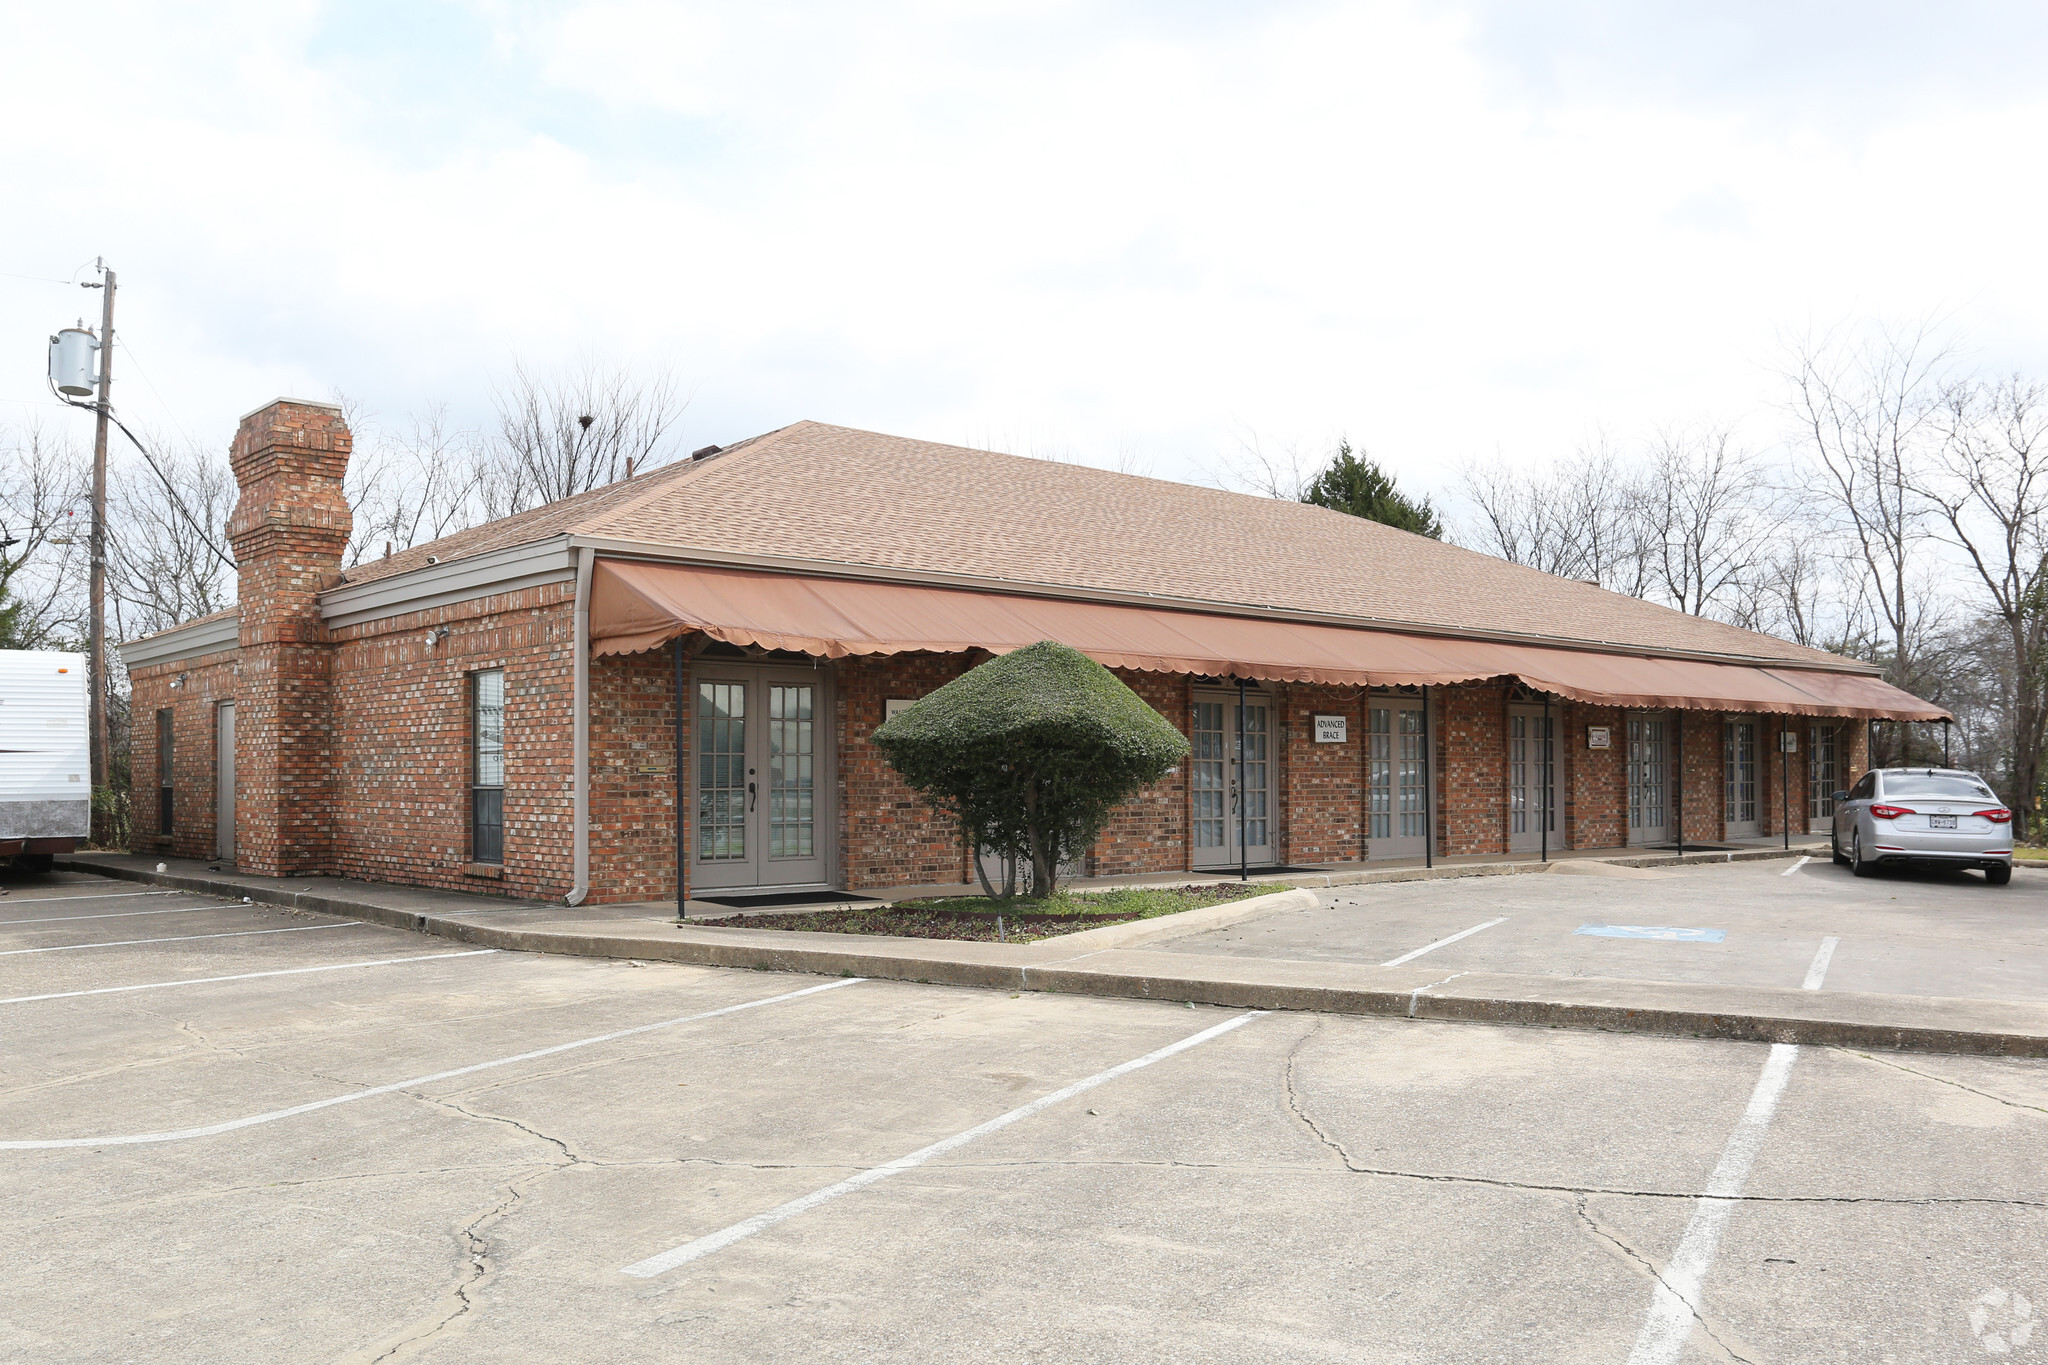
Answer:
[(888, 836), (1471, 752), (632, 776), (402, 717), (1326, 782), (1697, 758), (288, 530), (209, 680), (1596, 794), (1149, 832)]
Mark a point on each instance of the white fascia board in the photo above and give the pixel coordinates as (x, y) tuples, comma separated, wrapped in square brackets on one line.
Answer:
[(824, 568), (184, 642), (461, 580)]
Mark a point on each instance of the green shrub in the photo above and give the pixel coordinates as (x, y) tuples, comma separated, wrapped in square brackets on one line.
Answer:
[(1031, 751)]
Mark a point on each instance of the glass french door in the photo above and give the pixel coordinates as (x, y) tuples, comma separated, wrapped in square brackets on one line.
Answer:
[(1396, 780), (1532, 781), (1649, 790), (1738, 760), (760, 743), (1823, 779), (1231, 790)]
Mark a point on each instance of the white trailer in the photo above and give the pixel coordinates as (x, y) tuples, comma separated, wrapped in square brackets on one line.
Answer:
[(45, 761)]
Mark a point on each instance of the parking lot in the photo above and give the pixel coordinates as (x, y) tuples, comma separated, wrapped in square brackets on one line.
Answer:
[(231, 1133), (1904, 932)]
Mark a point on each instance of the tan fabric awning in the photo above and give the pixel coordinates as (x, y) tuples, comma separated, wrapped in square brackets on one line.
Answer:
[(636, 606)]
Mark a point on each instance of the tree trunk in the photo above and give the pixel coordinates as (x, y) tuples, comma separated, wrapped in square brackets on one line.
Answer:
[(1042, 867)]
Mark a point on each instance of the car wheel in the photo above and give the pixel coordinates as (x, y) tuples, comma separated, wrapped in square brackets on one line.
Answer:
[(1856, 863), (1835, 847), (1998, 874)]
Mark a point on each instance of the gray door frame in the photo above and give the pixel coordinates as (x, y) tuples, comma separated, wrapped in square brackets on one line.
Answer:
[(224, 781), (1531, 764), (1655, 754), (1395, 753), (759, 868), (1733, 734), (1227, 767)]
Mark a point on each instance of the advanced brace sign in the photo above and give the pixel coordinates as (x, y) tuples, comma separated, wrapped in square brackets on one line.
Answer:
[(1331, 729)]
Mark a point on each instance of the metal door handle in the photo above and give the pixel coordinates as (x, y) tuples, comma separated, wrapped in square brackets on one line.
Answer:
[(751, 796)]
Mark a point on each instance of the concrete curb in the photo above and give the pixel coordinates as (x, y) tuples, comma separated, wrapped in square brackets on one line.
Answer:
[(1197, 921), (1074, 964)]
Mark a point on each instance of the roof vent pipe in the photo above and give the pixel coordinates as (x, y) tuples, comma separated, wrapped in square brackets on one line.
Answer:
[(706, 453)]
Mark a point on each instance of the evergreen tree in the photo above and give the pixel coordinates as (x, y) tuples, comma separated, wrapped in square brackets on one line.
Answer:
[(1358, 486)]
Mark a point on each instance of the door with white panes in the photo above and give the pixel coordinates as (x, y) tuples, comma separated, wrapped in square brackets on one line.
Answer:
[(760, 751), (1532, 781), (1231, 785), (1396, 779), (1649, 780), (1738, 759), (1823, 779)]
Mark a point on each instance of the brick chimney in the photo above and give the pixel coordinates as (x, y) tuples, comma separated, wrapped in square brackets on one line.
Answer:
[(289, 530)]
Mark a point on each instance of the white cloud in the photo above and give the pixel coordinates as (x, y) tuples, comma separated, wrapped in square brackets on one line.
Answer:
[(1123, 232)]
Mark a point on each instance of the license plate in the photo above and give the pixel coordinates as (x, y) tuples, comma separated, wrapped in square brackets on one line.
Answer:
[(1941, 822)]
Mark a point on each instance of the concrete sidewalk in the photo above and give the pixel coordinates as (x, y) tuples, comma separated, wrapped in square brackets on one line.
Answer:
[(1115, 962)]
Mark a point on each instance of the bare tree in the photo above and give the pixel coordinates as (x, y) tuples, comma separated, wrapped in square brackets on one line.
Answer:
[(44, 515), (1705, 519), (1866, 409), (1992, 502), (567, 433), (162, 565), (410, 487), (1269, 469), (1580, 519)]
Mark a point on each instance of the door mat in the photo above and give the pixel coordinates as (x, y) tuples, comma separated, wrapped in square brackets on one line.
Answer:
[(756, 899)]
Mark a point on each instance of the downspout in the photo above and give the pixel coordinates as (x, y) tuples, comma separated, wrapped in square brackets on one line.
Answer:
[(580, 721), (1428, 787)]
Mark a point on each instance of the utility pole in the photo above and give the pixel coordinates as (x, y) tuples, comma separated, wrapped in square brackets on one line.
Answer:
[(102, 756)]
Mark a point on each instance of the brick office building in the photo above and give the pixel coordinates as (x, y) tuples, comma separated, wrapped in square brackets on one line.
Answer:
[(509, 708)]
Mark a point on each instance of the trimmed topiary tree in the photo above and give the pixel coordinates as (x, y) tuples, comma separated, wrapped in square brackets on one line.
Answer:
[(1030, 752)]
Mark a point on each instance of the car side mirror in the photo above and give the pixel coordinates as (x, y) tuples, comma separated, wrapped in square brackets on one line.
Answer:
[(1841, 796)]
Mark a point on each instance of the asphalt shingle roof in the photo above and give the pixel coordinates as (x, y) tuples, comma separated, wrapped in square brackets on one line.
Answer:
[(862, 499)]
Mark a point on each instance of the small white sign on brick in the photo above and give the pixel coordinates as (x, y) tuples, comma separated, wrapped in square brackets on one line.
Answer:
[(1332, 729)]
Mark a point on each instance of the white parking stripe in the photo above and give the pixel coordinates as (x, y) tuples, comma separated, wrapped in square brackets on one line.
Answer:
[(118, 914), (182, 938), (1675, 1302), (1432, 947), (245, 976), (761, 1222), (212, 1129), (95, 896), (1819, 970), (1795, 867)]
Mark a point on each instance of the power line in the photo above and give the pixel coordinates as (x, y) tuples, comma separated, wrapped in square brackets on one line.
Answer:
[(155, 468)]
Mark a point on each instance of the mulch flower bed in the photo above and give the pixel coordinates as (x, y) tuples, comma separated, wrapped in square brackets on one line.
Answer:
[(979, 919)]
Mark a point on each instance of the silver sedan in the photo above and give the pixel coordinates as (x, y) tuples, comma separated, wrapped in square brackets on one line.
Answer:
[(1933, 816)]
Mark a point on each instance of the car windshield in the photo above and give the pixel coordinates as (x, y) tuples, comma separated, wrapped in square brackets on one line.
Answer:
[(1930, 786)]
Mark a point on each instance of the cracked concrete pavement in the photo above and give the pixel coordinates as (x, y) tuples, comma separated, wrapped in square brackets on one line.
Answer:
[(1303, 1188)]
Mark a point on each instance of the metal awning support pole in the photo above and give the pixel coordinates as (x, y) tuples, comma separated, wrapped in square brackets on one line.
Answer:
[(1545, 776), (1785, 783), (1244, 861), (1678, 776), (1428, 787), (1945, 725), (683, 862)]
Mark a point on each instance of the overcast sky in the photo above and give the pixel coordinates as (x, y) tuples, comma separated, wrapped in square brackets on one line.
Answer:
[(1126, 232)]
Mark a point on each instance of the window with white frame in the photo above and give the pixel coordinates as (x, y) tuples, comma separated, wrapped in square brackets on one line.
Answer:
[(487, 767)]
